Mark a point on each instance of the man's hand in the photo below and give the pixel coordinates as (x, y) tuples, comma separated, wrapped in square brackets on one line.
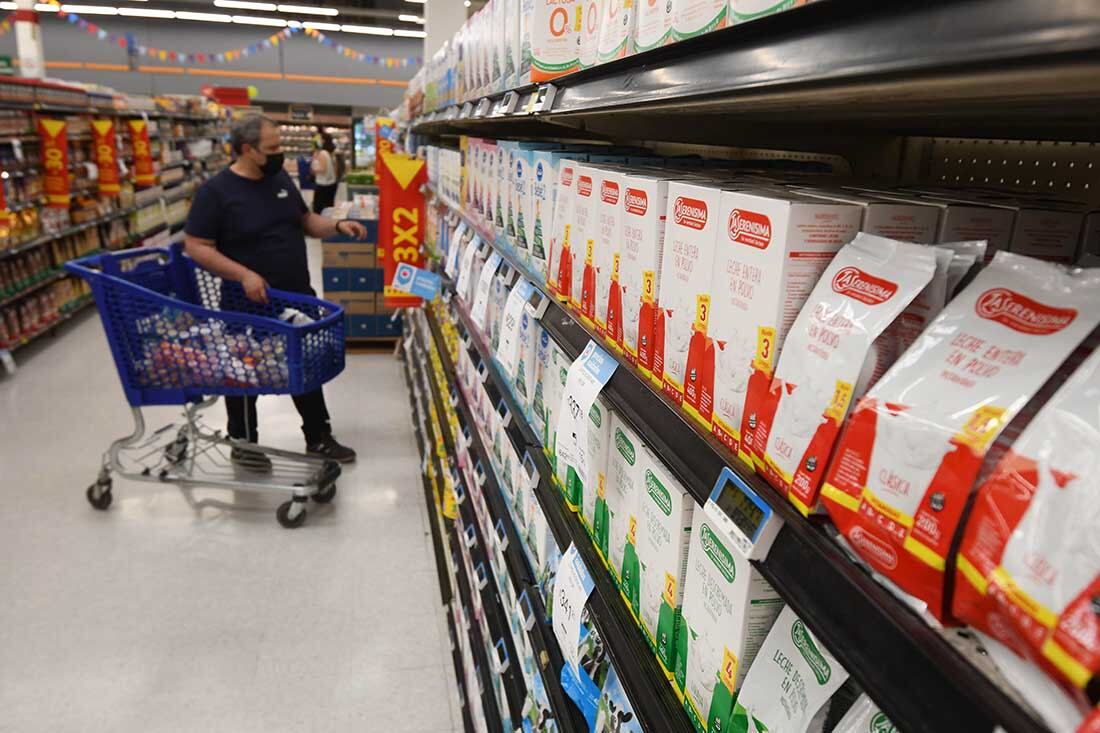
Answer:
[(352, 229), (255, 287)]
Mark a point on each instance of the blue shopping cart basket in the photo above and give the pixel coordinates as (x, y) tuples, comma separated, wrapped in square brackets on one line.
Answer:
[(179, 333)]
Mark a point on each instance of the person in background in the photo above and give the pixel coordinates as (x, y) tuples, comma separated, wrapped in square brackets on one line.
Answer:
[(323, 167), (249, 223)]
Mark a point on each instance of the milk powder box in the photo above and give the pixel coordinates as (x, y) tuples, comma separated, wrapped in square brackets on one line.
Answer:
[(681, 347), (506, 162), (578, 494), (900, 220), (539, 207), (617, 507), (523, 175), (509, 33), (771, 252), (692, 18), (559, 271), (663, 536), (728, 610), (744, 10), (1047, 229), (529, 334), (790, 682), (588, 53), (653, 27), (543, 354), (616, 30), (605, 257), (645, 198), (553, 389), (554, 33), (585, 230)]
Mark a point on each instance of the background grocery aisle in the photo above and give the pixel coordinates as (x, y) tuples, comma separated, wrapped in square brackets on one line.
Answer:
[(176, 612)]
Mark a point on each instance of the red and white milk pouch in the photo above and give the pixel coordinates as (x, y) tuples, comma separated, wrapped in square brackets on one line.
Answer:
[(559, 272), (915, 444), (798, 417), (1028, 568)]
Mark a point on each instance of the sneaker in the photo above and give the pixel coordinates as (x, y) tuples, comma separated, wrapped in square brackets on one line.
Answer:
[(252, 460), (330, 449)]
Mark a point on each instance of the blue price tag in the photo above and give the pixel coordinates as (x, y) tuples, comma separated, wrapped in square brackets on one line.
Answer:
[(413, 280)]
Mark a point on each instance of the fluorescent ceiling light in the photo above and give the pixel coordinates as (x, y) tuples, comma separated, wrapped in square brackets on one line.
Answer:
[(89, 9), (410, 34), (245, 5), (257, 20), (307, 10), (370, 30), (321, 26), (207, 17), (147, 13), (410, 18)]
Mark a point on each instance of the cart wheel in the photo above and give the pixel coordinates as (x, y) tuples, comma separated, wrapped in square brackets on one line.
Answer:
[(99, 495), (291, 514), (325, 495)]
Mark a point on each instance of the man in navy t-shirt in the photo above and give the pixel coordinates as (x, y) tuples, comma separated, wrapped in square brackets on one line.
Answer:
[(249, 224)]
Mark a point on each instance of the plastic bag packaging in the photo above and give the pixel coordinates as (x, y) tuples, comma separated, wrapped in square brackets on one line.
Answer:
[(799, 414), (865, 717), (1028, 567), (915, 445), (790, 683)]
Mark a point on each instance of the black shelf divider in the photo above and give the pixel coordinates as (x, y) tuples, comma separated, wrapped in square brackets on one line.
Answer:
[(909, 668)]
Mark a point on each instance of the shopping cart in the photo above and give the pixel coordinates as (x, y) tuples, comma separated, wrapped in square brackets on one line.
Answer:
[(182, 336)]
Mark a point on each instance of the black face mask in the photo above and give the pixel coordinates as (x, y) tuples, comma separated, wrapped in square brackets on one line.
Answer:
[(272, 165)]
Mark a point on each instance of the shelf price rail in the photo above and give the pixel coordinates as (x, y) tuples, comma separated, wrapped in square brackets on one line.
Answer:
[(497, 624), (653, 699), (547, 651), (437, 542), (485, 689), (908, 667)]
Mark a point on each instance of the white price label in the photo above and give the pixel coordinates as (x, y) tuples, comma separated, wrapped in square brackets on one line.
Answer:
[(587, 376), (480, 311), (508, 348), (572, 586), (467, 265), (452, 251)]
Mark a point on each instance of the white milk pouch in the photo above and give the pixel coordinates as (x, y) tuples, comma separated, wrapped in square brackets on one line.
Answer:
[(727, 612), (792, 679), (599, 438), (617, 508), (915, 444), (654, 24), (866, 286), (554, 30), (590, 32), (692, 18), (865, 717), (616, 29), (953, 261)]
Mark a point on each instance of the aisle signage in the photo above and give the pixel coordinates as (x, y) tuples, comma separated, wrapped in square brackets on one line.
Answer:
[(144, 173), (400, 221), (55, 161), (452, 250), (572, 587), (467, 264), (106, 156), (508, 347), (586, 377), (480, 311), (413, 280)]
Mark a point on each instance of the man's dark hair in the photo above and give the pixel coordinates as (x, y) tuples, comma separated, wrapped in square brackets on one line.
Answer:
[(246, 131)]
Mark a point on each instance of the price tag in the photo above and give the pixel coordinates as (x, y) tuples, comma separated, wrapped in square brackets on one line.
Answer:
[(466, 267), (544, 100), (452, 112), (508, 347), (467, 110), (498, 109), (482, 107), (508, 104), (572, 587), (480, 311), (587, 376)]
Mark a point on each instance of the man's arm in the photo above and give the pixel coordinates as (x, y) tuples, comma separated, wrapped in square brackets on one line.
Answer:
[(323, 227), (206, 254)]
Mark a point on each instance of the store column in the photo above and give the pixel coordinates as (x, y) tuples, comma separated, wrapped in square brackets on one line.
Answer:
[(28, 41), (441, 21)]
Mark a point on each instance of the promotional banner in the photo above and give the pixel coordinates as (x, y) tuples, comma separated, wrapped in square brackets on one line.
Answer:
[(384, 128), (400, 221), (55, 161), (144, 173), (106, 156)]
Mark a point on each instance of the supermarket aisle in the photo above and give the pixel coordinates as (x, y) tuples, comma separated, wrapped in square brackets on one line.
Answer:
[(161, 615)]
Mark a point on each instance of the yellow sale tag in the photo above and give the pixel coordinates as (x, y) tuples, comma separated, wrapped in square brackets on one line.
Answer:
[(615, 269), (702, 313), (565, 239), (728, 675), (648, 281), (838, 407), (588, 249), (631, 532), (580, 16), (670, 590), (765, 349), (982, 427)]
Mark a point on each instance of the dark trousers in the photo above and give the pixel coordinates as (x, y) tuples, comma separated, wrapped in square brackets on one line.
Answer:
[(323, 197), (311, 406)]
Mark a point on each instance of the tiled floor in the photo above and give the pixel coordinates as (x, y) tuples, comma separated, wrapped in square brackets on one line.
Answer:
[(174, 614)]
